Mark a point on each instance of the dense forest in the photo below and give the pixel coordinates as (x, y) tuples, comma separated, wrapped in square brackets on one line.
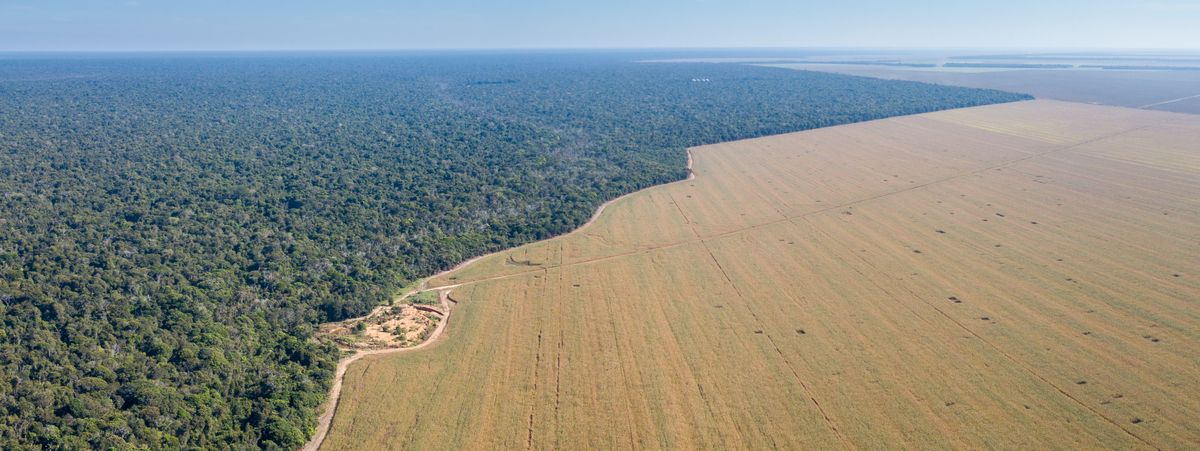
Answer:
[(172, 226)]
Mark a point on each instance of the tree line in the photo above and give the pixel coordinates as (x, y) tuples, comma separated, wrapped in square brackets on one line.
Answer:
[(171, 228)]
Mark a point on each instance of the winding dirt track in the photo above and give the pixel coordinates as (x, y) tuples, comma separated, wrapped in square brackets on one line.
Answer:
[(335, 392)]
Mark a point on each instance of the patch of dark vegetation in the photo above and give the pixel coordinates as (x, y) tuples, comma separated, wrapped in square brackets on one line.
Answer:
[(514, 262), (1080, 382), (424, 308), (985, 319), (1135, 420)]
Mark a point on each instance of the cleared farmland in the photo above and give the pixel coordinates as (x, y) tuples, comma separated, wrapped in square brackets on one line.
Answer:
[(1018, 276)]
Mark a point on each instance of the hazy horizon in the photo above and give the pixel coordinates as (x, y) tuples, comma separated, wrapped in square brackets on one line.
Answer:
[(124, 26)]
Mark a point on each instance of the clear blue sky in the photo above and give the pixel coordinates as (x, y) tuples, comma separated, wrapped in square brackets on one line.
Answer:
[(428, 24)]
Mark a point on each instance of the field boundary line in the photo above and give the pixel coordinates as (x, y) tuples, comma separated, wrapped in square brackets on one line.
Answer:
[(537, 366), (558, 370)]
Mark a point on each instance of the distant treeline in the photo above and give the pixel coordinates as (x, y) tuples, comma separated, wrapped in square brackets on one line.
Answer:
[(1144, 67), (868, 63), (171, 228), (1011, 66)]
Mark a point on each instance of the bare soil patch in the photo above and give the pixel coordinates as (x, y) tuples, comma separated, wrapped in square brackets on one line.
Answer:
[(397, 326)]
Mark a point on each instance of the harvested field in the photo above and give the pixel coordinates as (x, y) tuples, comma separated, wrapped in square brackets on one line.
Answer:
[(1018, 276)]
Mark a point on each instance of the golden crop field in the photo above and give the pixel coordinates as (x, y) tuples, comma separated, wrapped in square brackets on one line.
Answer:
[(1018, 276)]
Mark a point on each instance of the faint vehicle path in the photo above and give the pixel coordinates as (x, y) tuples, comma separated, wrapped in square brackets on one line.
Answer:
[(1169, 101), (335, 393)]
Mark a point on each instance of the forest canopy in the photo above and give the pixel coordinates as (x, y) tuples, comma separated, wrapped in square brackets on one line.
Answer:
[(172, 226)]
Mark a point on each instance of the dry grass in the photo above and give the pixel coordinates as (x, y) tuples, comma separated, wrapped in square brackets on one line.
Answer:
[(779, 300)]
